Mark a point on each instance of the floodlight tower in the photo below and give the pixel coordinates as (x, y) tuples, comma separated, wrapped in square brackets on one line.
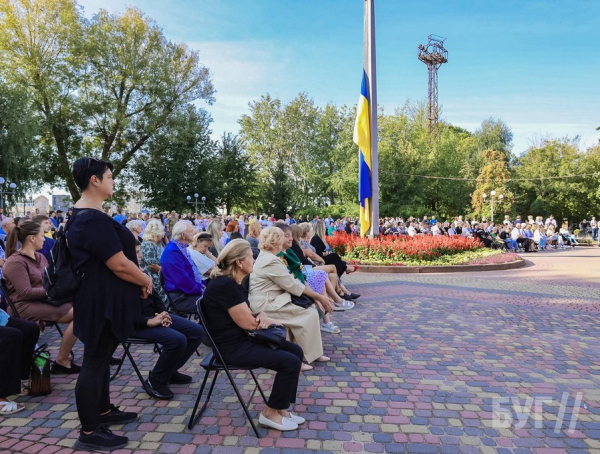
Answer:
[(433, 55)]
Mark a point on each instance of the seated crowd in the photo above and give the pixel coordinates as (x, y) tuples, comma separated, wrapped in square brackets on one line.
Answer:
[(249, 273), (529, 235)]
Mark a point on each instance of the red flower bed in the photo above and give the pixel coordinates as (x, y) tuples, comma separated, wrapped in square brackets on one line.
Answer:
[(394, 249)]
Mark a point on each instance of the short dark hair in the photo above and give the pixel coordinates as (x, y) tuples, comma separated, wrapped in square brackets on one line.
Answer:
[(86, 168)]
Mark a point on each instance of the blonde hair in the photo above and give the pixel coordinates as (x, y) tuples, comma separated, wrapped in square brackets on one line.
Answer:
[(306, 227), (320, 230), (297, 232), (254, 229), (214, 228), (154, 230), (228, 257), (270, 238)]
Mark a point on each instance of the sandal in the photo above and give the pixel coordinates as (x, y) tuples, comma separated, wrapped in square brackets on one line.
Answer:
[(351, 269), (10, 407), (330, 328), (343, 306), (305, 367)]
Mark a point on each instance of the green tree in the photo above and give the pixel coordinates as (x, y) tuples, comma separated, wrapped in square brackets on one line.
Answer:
[(547, 185), (235, 175), (180, 161), (493, 176), (18, 130), (103, 87)]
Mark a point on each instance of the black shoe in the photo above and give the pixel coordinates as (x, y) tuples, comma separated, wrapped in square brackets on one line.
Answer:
[(114, 361), (180, 379), (102, 439), (353, 296), (161, 392), (59, 369), (116, 416)]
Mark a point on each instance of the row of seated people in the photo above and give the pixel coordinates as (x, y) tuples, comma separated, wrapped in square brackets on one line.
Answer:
[(179, 336), (526, 237), (23, 274)]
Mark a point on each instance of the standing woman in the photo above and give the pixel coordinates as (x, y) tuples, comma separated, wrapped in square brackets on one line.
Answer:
[(106, 303)]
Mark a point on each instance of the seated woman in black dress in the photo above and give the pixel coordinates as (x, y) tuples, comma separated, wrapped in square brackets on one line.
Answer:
[(228, 315)]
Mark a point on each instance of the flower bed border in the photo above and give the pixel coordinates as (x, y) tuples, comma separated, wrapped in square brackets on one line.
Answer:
[(392, 269)]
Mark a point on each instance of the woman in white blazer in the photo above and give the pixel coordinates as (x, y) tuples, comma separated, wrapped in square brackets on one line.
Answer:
[(271, 289)]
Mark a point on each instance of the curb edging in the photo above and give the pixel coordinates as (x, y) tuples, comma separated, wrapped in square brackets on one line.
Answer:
[(520, 263)]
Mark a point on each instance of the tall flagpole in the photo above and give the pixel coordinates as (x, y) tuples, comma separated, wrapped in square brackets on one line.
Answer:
[(370, 66)]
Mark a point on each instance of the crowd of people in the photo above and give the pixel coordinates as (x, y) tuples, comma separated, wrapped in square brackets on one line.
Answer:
[(141, 276), (520, 235)]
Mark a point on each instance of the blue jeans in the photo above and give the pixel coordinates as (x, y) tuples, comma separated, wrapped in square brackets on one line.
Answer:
[(179, 341), (595, 234), (512, 244)]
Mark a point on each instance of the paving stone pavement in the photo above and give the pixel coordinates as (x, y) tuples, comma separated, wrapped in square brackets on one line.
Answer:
[(448, 363)]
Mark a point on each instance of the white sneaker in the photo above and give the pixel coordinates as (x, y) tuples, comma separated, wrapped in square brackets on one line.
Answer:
[(295, 418), (285, 425)]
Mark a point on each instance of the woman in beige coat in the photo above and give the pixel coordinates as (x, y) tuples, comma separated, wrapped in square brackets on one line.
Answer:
[(271, 287)]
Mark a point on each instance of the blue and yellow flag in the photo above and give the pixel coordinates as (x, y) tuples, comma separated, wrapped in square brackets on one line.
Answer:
[(362, 138)]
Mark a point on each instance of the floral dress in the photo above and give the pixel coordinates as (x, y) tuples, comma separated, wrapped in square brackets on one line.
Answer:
[(151, 254)]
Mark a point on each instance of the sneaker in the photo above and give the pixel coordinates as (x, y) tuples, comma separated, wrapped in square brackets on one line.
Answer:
[(102, 439), (158, 391), (180, 379), (116, 416)]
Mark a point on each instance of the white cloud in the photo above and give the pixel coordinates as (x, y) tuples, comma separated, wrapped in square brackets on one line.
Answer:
[(241, 72)]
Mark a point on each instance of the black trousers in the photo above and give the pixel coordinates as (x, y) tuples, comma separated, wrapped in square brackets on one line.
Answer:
[(336, 260), (179, 341), (17, 343), (92, 393), (286, 361)]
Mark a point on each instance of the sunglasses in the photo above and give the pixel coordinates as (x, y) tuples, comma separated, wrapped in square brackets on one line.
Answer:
[(90, 162)]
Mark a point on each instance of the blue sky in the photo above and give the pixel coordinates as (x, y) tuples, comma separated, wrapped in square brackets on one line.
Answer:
[(533, 64)]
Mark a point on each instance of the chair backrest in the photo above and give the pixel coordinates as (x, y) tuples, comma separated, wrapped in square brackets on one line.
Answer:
[(4, 292), (216, 352), (170, 305)]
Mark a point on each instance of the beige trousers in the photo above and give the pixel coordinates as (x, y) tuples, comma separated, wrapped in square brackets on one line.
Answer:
[(303, 328)]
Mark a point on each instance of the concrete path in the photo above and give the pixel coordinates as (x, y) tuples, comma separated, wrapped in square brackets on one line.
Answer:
[(505, 362)]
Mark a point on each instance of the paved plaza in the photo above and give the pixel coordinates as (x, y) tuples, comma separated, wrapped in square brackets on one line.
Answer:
[(420, 366)]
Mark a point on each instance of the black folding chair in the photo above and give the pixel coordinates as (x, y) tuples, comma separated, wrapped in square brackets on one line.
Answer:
[(15, 312), (214, 362), (127, 353)]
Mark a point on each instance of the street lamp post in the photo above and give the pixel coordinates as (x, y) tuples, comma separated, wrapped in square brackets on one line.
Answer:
[(3, 192), (492, 199), (195, 202)]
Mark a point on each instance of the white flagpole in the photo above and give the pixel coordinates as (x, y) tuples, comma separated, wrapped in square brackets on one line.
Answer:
[(370, 66)]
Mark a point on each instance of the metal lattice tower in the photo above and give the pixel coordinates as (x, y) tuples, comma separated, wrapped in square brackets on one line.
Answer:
[(433, 55)]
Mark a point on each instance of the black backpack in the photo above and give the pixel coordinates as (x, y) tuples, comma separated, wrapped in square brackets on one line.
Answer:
[(60, 280)]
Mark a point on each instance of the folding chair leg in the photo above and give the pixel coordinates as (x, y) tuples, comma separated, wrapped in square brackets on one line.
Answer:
[(258, 386), (239, 396), (135, 367), (113, 376), (195, 418)]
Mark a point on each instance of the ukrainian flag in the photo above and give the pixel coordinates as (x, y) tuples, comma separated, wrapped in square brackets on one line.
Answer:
[(362, 138)]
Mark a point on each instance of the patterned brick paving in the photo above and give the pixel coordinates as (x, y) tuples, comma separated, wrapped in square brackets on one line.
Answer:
[(418, 367)]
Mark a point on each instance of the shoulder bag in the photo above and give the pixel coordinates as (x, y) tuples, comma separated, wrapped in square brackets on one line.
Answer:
[(273, 336)]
